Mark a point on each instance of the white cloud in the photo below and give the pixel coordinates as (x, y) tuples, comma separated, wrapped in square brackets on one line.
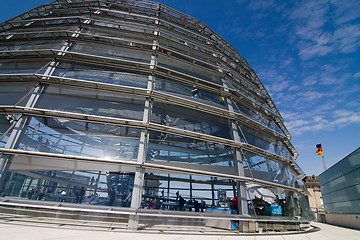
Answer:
[(319, 93), (346, 120), (346, 11), (289, 115), (309, 50), (311, 95), (310, 80), (325, 28), (348, 37), (311, 16), (296, 123), (286, 62), (262, 4), (337, 120)]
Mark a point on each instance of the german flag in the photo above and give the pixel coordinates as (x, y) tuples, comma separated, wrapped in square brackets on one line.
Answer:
[(319, 150)]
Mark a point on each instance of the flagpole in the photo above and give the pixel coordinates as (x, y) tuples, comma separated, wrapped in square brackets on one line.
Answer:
[(324, 162)]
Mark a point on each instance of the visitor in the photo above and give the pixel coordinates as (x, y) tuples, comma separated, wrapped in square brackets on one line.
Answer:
[(181, 203), (202, 205), (151, 205), (81, 195), (196, 205), (195, 92), (112, 197)]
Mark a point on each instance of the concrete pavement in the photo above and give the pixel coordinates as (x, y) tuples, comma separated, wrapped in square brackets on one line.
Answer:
[(20, 229)]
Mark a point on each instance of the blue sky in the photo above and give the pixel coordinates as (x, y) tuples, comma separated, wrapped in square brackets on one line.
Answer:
[(306, 53)]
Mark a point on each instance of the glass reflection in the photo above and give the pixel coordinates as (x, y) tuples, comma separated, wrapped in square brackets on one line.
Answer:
[(20, 45), (190, 193), (97, 74), (12, 93), (181, 90), (264, 141), (268, 170), (15, 67), (172, 148), (191, 120), (80, 139), (5, 123), (183, 67), (257, 116), (112, 51), (80, 187), (211, 195), (272, 203), (91, 102)]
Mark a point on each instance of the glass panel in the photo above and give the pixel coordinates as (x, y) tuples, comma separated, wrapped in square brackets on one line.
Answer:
[(112, 51), (172, 148), (184, 68), (81, 187), (97, 74), (120, 186), (42, 44), (268, 170), (80, 139), (182, 90), (5, 122), (192, 120), (119, 26), (265, 142), (257, 116), (194, 193), (210, 195), (126, 39), (11, 93), (184, 56), (11, 66), (91, 102), (186, 42), (136, 20), (272, 203), (353, 159), (180, 48)]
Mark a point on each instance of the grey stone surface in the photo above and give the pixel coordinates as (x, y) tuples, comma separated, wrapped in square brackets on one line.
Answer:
[(31, 230)]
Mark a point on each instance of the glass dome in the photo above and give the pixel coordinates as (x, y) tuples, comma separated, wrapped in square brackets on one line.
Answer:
[(134, 105)]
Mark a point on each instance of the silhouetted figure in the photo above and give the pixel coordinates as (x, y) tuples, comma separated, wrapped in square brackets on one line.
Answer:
[(157, 204), (190, 205), (181, 203), (112, 197), (202, 205), (30, 193), (81, 195), (195, 92), (196, 205)]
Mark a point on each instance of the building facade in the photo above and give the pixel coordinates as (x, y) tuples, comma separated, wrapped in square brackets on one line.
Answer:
[(340, 187), (312, 184), (134, 105)]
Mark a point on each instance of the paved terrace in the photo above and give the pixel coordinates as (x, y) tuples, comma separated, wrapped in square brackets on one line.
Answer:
[(14, 226)]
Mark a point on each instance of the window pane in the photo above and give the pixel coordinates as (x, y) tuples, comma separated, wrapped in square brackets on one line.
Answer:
[(104, 75), (91, 102), (172, 148), (192, 120), (81, 139)]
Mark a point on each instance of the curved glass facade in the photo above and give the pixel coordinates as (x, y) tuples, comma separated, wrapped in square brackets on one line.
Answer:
[(134, 105)]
